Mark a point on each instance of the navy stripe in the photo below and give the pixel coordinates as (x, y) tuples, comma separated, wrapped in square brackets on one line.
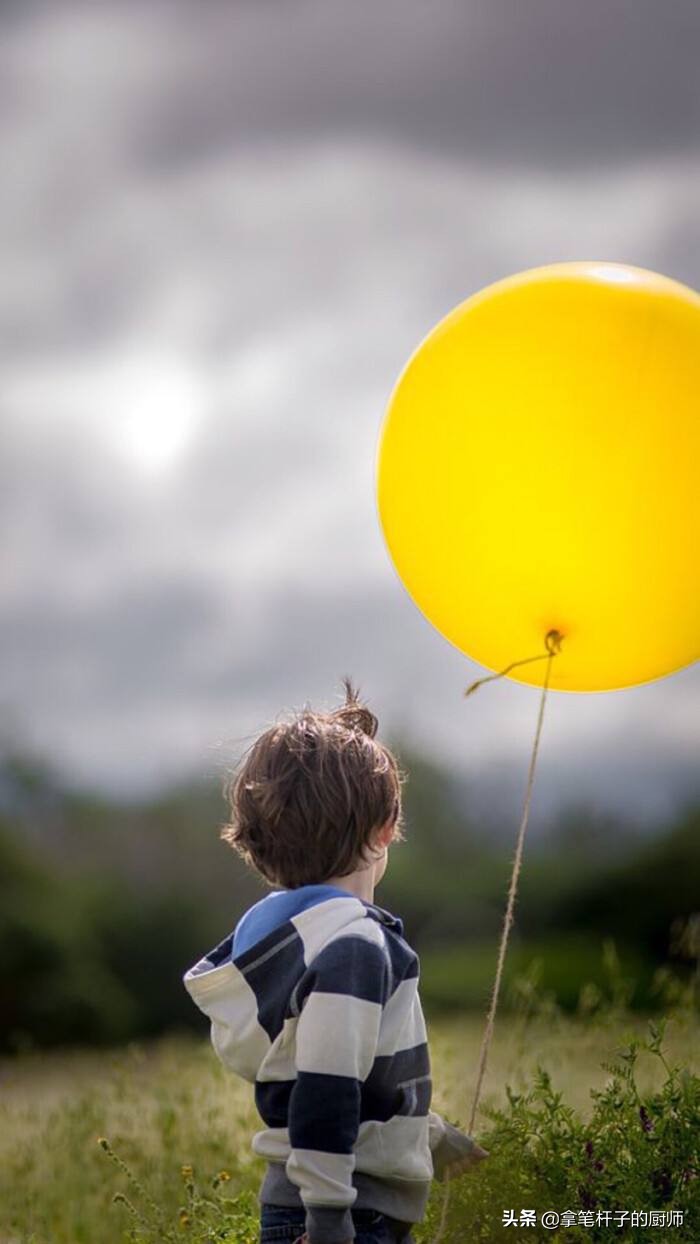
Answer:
[(324, 1112), (220, 953), (385, 917), (224, 950), (381, 1104), (272, 1101), (272, 968), (386, 1090), (351, 966), (403, 1065), (397, 1084), (404, 960), (415, 1098), (250, 956)]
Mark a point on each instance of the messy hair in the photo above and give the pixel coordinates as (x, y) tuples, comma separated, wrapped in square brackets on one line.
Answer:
[(310, 794)]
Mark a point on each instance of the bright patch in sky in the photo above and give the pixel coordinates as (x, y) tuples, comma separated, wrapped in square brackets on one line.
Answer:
[(153, 411), (145, 407)]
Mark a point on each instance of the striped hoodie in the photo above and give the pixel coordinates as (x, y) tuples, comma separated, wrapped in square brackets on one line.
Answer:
[(322, 1014)]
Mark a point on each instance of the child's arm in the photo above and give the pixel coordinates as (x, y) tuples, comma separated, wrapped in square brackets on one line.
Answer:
[(453, 1151), (337, 1033)]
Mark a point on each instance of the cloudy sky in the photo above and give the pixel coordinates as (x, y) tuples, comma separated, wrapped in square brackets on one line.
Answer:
[(224, 227)]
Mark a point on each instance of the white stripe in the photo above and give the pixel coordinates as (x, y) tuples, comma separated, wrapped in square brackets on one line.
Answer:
[(367, 929), (397, 1149), (272, 1144), (337, 1035), (322, 1178), (204, 978), (238, 1038), (319, 924), (403, 1024), (279, 1063)]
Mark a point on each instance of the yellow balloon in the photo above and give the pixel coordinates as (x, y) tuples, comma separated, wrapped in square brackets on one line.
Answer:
[(539, 469)]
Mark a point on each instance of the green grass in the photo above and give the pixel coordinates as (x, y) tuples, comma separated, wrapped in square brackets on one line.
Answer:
[(169, 1104)]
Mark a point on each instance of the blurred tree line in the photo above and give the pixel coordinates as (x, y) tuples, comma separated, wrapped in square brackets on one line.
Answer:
[(104, 904)]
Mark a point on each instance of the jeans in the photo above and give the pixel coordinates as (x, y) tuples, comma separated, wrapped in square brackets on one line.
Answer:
[(279, 1225)]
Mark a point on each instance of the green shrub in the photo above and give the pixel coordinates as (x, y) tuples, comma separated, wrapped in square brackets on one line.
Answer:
[(207, 1214), (636, 1151)]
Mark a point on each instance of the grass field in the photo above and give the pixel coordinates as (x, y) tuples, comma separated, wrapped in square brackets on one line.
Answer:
[(169, 1104)]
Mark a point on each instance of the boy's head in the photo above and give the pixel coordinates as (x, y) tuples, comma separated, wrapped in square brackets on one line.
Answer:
[(315, 797)]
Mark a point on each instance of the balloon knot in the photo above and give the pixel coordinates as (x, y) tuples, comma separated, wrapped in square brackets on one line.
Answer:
[(553, 641)]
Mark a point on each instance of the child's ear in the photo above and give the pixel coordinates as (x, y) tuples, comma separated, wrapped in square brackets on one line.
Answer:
[(385, 834)]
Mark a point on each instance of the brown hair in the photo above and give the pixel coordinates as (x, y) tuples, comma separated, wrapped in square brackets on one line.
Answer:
[(311, 792)]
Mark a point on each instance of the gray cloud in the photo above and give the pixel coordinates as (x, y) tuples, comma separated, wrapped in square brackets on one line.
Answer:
[(556, 83)]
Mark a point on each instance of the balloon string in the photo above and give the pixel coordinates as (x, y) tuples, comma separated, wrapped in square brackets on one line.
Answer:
[(553, 644), (513, 887)]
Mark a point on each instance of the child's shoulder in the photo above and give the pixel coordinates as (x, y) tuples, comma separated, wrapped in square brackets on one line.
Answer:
[(368, 956)]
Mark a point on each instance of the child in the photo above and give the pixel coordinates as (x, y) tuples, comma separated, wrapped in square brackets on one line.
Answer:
[(314, 996)]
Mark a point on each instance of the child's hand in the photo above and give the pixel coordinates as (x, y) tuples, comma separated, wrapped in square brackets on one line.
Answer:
[(473, 1158), (455, 1151)]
